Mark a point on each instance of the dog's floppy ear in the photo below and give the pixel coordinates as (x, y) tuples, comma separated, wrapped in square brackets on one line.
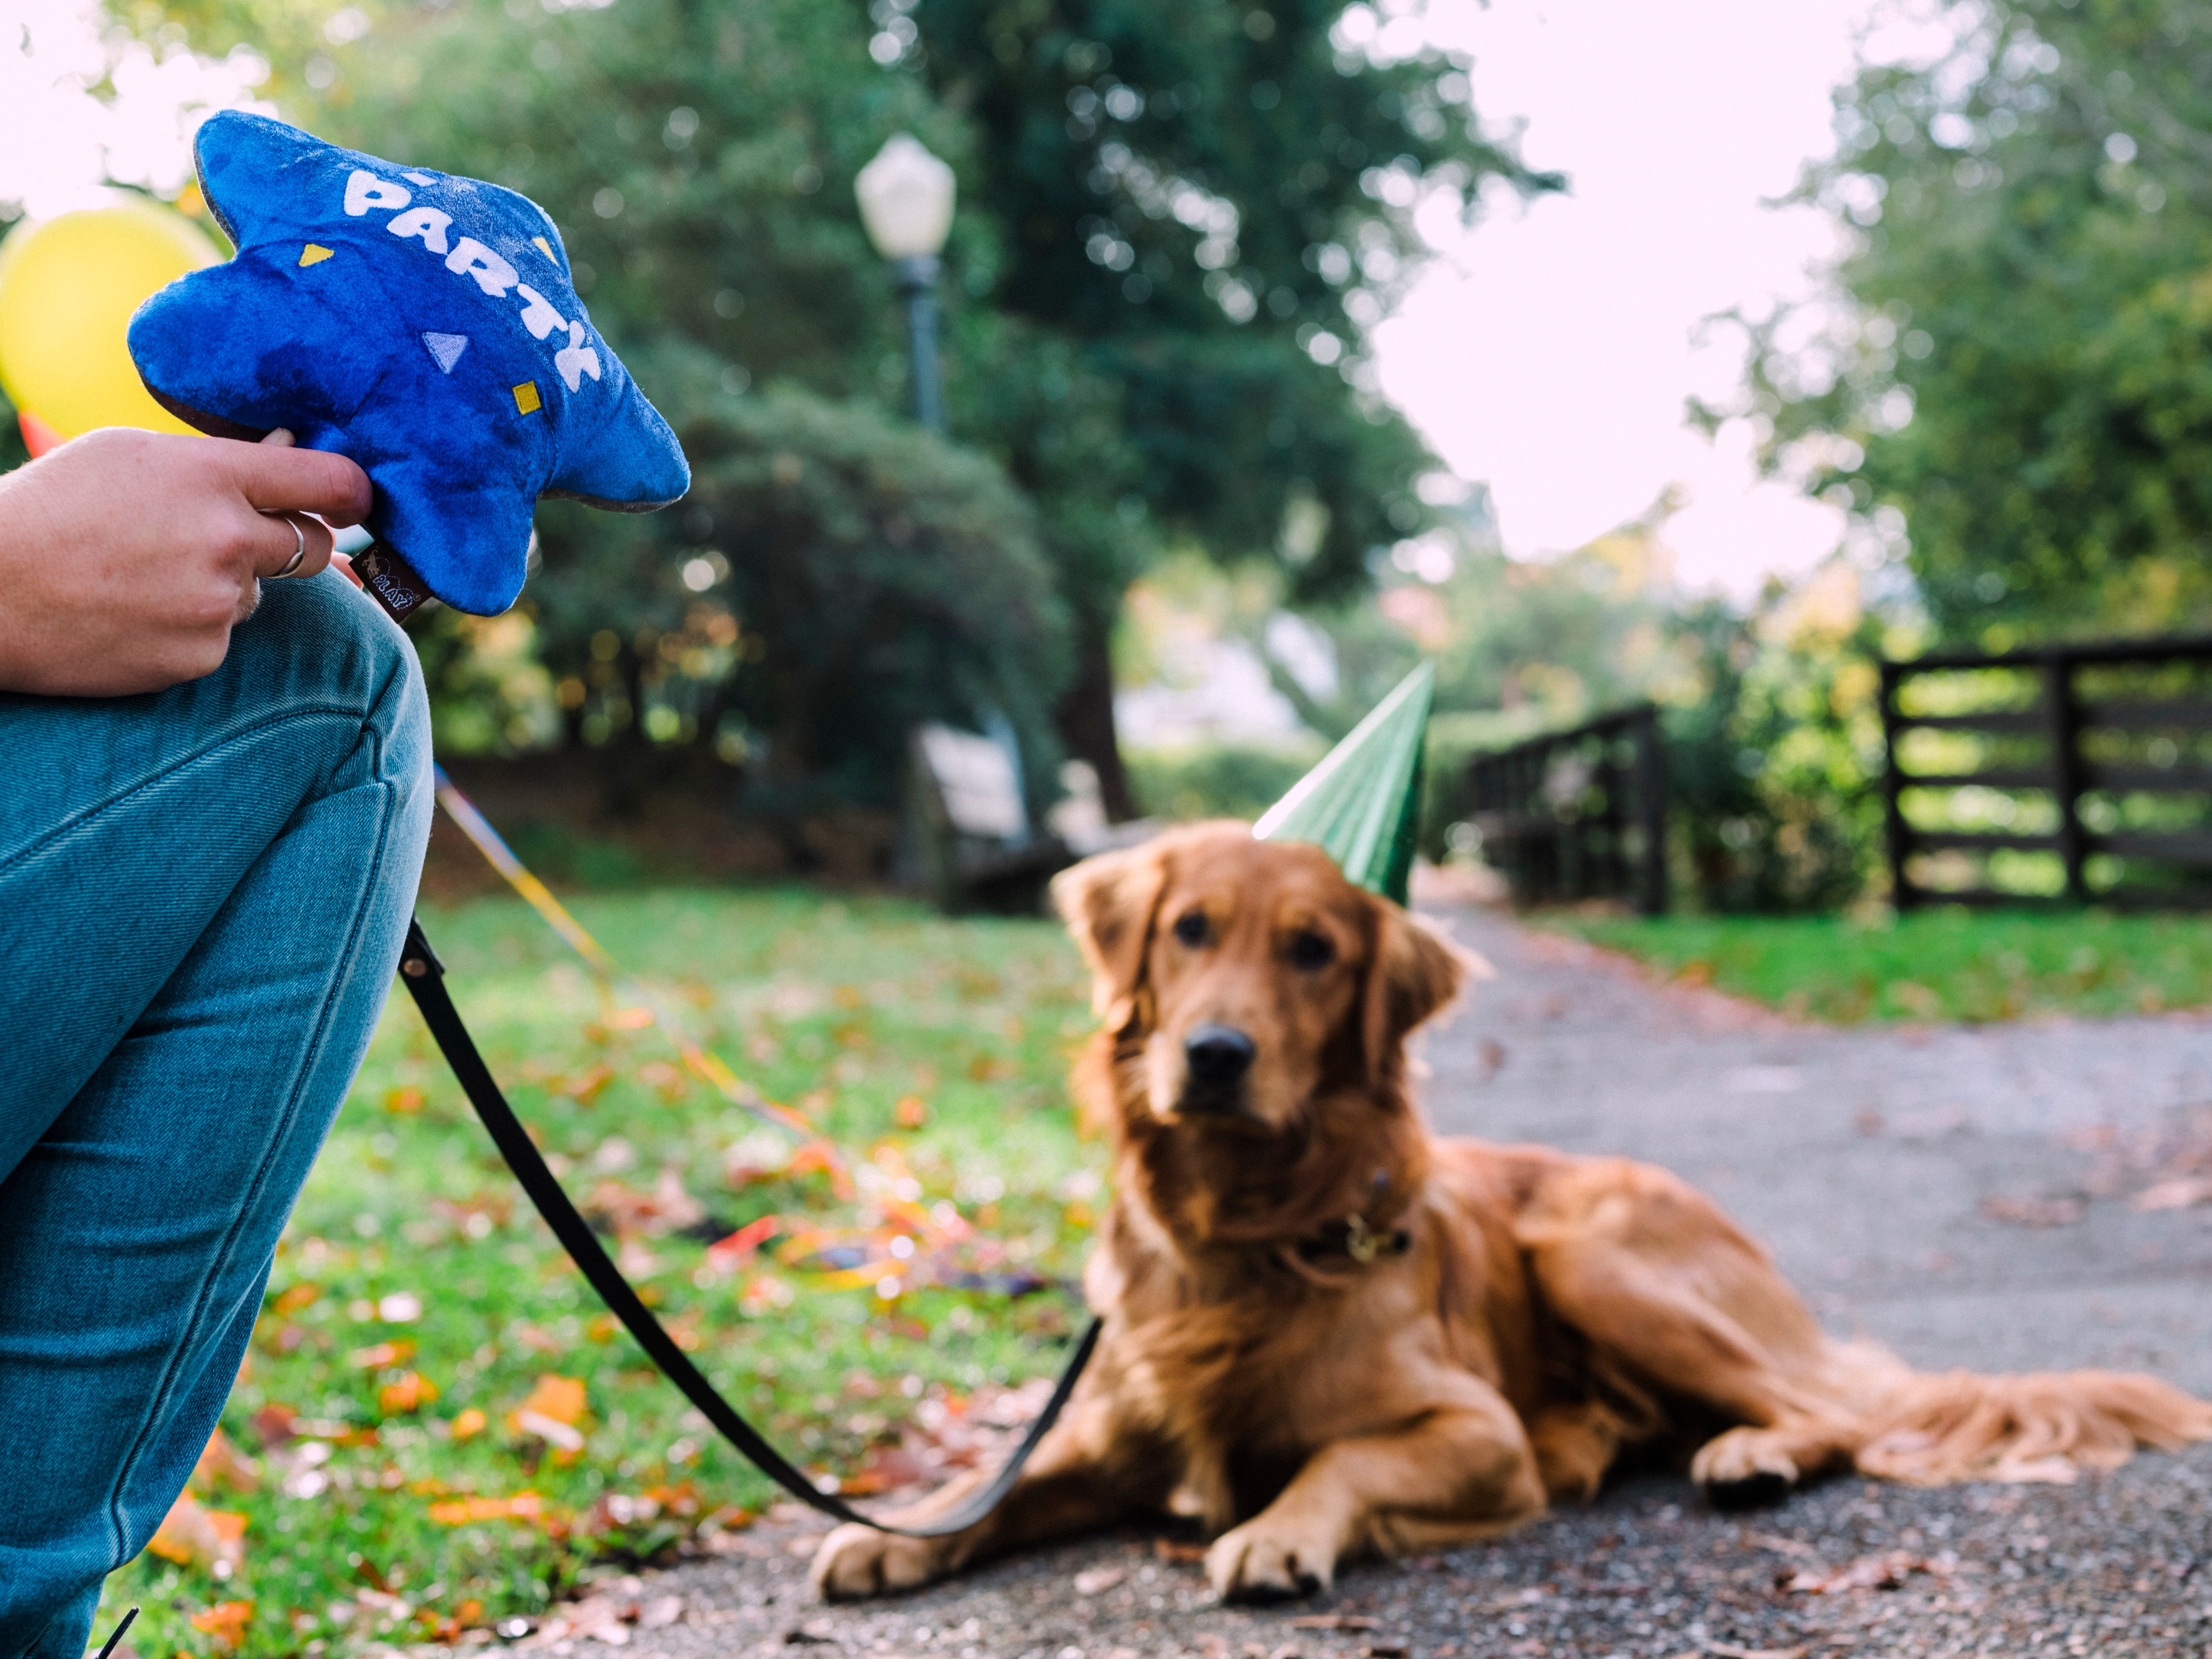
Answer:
[(1108, 903), (1412, 973)]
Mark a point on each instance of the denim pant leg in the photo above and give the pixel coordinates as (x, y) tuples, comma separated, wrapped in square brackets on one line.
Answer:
[(203, 896)]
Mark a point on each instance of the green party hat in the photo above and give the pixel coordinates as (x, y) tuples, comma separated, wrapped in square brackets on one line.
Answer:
[(1362, 805)]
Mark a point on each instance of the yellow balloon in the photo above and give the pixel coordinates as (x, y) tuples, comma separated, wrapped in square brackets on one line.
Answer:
[(68, 286)]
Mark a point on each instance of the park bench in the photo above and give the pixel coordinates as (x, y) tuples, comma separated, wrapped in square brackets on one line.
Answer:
[(968, 841)]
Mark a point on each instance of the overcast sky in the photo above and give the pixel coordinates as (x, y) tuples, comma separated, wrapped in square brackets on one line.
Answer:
[(1552, 353), (1549, 354)]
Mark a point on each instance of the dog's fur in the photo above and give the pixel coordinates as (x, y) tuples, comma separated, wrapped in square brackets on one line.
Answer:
[(1545, 1315)]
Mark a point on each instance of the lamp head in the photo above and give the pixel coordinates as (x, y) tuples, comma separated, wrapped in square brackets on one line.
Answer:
[(906, 196)]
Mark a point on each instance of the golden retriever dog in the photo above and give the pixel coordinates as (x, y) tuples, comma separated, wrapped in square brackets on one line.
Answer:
[(1328, 1332)]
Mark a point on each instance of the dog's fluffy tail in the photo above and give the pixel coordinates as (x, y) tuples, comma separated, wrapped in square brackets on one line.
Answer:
[(2041, 1425)]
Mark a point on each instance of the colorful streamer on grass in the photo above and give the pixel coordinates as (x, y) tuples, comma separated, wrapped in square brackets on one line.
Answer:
[(629, 1001)]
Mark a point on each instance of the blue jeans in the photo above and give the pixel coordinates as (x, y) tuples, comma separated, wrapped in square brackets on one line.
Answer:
[(203, 896)]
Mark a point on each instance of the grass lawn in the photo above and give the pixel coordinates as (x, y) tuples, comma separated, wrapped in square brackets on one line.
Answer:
[(440, 1426), (1947, 965)]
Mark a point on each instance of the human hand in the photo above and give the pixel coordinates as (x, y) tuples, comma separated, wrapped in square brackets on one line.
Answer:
[(126, 558)]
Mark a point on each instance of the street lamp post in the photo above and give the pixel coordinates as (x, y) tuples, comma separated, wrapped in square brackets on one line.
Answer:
[(906, 197)]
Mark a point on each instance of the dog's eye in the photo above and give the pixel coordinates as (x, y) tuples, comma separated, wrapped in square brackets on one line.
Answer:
[(1192, 930), (1310, 950)]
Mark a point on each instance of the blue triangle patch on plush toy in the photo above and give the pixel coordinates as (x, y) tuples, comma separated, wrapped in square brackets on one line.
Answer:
[(421, 324)]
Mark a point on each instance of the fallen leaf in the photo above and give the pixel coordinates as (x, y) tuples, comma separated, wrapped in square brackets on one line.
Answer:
[(1098, 1580), (382, 1356), (404, 1101), (193, 1536), (681, 1498), (460, 1511), (629, 1214), (1885, 1572), (616, 1508), (298, 1297), (584, 1087), (1781, 1545), (729, 1253), (552, 1431), (274, 1423), (222, 1464), (597, 1618), (469, 1421), (477, 1217), (911, 1113), (226, 1621), (820, 1155), (409, 1392), (555, 1399)]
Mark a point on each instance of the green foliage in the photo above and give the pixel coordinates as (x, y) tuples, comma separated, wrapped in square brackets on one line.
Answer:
[(1217, 779), (844, 1010), (490, 693), (2015, 379), (1207, 204), (1773, 738), (1773, 771), (1931, 965), (13, 454), (1773, 735), (1174, 222), (863, 575), (1542, 643)]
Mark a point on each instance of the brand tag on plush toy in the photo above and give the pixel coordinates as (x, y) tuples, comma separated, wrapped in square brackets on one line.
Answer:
[(423, 325)]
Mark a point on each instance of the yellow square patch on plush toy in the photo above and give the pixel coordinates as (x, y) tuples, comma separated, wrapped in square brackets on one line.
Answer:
[(313, 254), (526, 398)]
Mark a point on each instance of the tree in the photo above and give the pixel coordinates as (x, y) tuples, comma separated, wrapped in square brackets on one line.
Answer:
[(1175, 222), (859, 575), (2016, 381), (1773, 739), (1195, 211)]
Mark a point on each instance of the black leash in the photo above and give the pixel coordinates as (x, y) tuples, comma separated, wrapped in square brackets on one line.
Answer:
[(424, 975)]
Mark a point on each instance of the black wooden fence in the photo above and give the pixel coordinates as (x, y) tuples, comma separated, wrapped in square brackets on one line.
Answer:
[(2062, 774), (1578, 814)]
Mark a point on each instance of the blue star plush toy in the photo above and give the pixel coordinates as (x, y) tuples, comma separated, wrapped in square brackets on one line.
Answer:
[(421, 324)]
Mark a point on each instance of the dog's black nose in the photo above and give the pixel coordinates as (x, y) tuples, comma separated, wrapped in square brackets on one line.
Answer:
[(1218, 1055)]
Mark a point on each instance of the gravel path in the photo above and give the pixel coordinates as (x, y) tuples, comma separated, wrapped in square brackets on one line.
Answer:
[(1972, 1197)]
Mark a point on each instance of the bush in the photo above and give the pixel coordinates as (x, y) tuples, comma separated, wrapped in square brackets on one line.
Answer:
[(1217, 779), (834, 578), (1774, 773)]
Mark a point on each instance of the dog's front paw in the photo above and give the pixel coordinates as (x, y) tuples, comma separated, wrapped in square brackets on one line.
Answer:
[(1745, 1468), (856, 1561), (1264, 1560)]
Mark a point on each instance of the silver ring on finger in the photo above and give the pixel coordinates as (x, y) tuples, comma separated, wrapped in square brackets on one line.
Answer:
[(300, 554)]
